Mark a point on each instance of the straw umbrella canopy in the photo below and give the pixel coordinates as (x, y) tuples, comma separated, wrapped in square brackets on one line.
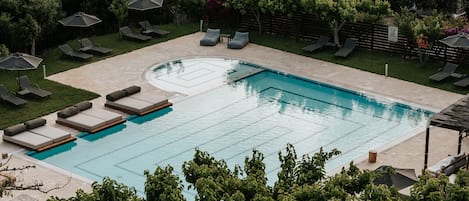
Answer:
[(399, 178), (80, 19), (460, 40), (20, 61), (143, 5)]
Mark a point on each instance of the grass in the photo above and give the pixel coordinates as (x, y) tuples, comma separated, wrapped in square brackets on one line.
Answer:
[(367, 60), (64, 95)]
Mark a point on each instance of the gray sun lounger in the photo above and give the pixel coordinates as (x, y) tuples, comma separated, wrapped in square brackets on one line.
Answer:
[(462, 83), (88, 46), (445, 72), (68, 51), (84, 118), (148, 28), (349, 46), (130, 100), (240, 40), (28, 88), (211, 38), (36, 135), (317, 45), (128, 33), (5, 95)]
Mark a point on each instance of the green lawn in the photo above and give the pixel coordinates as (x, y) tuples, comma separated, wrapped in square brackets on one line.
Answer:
[(372, 61), (64, 95)]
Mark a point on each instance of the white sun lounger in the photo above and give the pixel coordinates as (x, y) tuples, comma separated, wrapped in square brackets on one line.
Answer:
[(131, 101), (84, 118), (36, 135)]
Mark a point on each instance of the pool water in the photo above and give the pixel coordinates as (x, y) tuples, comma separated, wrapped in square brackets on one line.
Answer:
[(264, 111)]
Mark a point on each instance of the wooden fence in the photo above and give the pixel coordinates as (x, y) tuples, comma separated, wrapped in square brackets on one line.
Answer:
[(370, 36)]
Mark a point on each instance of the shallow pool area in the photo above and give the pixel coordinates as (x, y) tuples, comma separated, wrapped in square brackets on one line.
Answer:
[(228, 117)]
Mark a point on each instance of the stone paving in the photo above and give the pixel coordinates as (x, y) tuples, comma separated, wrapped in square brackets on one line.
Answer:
[(114, 73)]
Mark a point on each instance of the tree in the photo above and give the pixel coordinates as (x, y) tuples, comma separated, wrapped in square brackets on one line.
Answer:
[(287, 7), (4, 50), (119, 9), (185, 9), (427, 31), (109, 190), (338, 12), (163, 185), (248, 6)]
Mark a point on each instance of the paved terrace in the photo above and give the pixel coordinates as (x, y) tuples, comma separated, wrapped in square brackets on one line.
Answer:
[(114, 73)]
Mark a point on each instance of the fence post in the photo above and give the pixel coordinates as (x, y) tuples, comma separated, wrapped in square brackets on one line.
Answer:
[(372, 35)]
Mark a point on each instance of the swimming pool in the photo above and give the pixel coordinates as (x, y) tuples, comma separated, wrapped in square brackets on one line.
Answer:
[(265, 111)]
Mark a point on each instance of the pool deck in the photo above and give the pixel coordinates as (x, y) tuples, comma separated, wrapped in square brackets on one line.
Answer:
[(121, 71)]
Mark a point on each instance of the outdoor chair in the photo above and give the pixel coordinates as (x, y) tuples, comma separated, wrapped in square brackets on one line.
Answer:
[(462, 82), (29, 88), (240, 40), (126, 32), (319, 44), (349, 46), (83, 117), (130, 100), (36, 135), (5, 95), (148, 28), (449, 165), (211, 38), (88, 46), (445, 72), (68, 51)]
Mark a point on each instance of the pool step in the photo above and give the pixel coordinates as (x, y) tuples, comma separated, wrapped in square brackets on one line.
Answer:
[(233, 76)]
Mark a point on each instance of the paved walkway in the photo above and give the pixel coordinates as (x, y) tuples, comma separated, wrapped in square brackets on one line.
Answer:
[(128, 69)]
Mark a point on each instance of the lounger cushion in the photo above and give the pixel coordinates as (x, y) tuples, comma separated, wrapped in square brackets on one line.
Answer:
[(31, 124), (29, 139), (132, 90), (53, 133), (155, 100), (13, 130), (84, 105), (68, 112), (116, 95), (105, 116), (84, 121), (132, 104)]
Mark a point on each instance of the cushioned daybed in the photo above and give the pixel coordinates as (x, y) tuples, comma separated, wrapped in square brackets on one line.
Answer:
[(131, 101), (84, 118), (36, 135)]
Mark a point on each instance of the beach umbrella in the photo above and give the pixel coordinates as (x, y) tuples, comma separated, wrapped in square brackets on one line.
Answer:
[(397, 177), (459, 40), (80, 19), (143, 5), (20, 61)]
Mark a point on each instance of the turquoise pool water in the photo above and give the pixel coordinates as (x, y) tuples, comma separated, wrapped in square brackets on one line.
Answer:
[(264, 111)]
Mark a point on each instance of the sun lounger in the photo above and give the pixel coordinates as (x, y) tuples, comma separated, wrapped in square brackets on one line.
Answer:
[(88, 46), (449, 165), (347, 49), (5, 95), (462, 82), (148, 28), (28, 88), (445, 72), (132, 101), (240, 40), (128, 33), (85, 118), (211, 38), (36, 135), (317, 45), (68, 51)]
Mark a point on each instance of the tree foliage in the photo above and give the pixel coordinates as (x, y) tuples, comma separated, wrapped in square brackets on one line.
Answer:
[(297, 181), (163, 185), (119, 9), (338, 12), (248, 6)]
